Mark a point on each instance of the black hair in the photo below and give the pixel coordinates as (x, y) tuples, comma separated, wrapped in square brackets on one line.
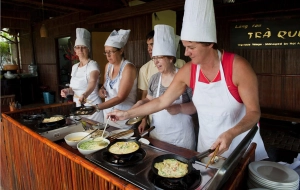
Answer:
[(150, 35)]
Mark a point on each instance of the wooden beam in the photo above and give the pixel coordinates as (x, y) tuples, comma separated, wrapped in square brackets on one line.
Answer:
[(38, 5), (146, 8)]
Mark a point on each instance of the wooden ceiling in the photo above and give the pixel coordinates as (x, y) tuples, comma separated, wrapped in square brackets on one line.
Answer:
[(36, 11)]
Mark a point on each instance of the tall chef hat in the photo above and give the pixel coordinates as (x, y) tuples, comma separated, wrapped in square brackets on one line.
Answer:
[(117, 39), (199, 23), (164, 41), (83, 37)]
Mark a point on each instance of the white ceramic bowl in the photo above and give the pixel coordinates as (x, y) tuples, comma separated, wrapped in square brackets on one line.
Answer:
[(71, 138), (90, 151)]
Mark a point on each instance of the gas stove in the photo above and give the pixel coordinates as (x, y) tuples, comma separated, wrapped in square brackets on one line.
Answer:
[(140, 174), (53, 132)]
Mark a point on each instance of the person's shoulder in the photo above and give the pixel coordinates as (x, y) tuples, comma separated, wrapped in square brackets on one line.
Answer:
[(93, 65), (93, 62), (75, 65), (146, 65)]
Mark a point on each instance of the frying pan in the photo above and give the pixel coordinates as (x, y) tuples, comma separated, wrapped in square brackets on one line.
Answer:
[(136, 140), (60, 122), (83, 110), (189, 162)]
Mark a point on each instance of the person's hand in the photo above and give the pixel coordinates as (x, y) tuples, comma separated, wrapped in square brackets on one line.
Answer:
[(142, 125), (174, 109), (82, 99), (64, 92), (224, 140), (117, 115), (102, 92)]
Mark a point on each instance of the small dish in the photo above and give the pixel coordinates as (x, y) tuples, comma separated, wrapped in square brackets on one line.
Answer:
[(145, 141)]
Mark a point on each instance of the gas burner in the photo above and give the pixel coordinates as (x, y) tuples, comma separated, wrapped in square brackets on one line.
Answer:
[(188, 182), (123, 160), (48, 126)]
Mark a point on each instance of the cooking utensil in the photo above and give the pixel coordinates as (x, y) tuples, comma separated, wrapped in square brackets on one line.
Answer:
[(90, 134), (136, 140), (134, 120), (213, 157), (100, 139), (59, 122), (85, 110), (189, 162)]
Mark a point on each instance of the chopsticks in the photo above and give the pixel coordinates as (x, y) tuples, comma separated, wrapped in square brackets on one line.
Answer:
[(85, 101), (215, 152)]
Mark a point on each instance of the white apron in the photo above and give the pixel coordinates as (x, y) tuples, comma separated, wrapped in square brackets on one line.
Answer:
[(112, 91), (174, 129), (218, 111), (79, 83)]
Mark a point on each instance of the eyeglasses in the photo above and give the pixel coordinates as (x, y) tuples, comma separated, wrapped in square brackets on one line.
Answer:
[(80, 47), (159, 58), (110, 52)]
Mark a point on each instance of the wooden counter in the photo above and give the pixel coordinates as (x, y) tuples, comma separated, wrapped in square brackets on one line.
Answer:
[(30, 161)]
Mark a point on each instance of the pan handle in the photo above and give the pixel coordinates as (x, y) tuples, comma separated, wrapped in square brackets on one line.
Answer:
[(145, 133), (201, 155)]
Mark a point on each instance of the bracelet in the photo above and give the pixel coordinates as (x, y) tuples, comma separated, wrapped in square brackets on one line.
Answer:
[(97, 108)]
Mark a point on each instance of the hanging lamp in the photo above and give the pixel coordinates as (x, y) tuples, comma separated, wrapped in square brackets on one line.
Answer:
[(43, 29)]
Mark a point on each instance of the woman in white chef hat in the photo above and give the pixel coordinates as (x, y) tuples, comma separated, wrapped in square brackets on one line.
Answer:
[(120, 86), (225, 89), (175, 128), (85, 76)]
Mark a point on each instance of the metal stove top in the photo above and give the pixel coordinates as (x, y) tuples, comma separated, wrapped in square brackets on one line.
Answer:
[(52, 132), (138, 174)]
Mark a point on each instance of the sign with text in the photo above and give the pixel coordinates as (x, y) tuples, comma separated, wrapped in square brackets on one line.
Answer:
[(265, 34)]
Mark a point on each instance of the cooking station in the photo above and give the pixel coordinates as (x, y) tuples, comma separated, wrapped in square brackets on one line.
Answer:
[(138, 170), (96, 171), (53, 132)]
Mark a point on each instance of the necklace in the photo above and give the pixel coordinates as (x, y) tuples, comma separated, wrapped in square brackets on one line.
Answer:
[(81, 64)]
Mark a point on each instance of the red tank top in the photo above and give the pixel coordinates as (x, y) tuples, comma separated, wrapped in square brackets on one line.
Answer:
[(227, 62)]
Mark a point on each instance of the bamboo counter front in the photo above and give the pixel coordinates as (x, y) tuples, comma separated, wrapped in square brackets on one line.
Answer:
[(32, 162)]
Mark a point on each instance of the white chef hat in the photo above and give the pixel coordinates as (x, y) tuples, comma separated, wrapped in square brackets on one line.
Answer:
[(83, 37), (199, 23), (117, 39), (164, 41)]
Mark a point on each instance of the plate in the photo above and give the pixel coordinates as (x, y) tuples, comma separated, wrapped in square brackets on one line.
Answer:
[(119, 131), (273, 173), (217, 164), (134, 120)]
